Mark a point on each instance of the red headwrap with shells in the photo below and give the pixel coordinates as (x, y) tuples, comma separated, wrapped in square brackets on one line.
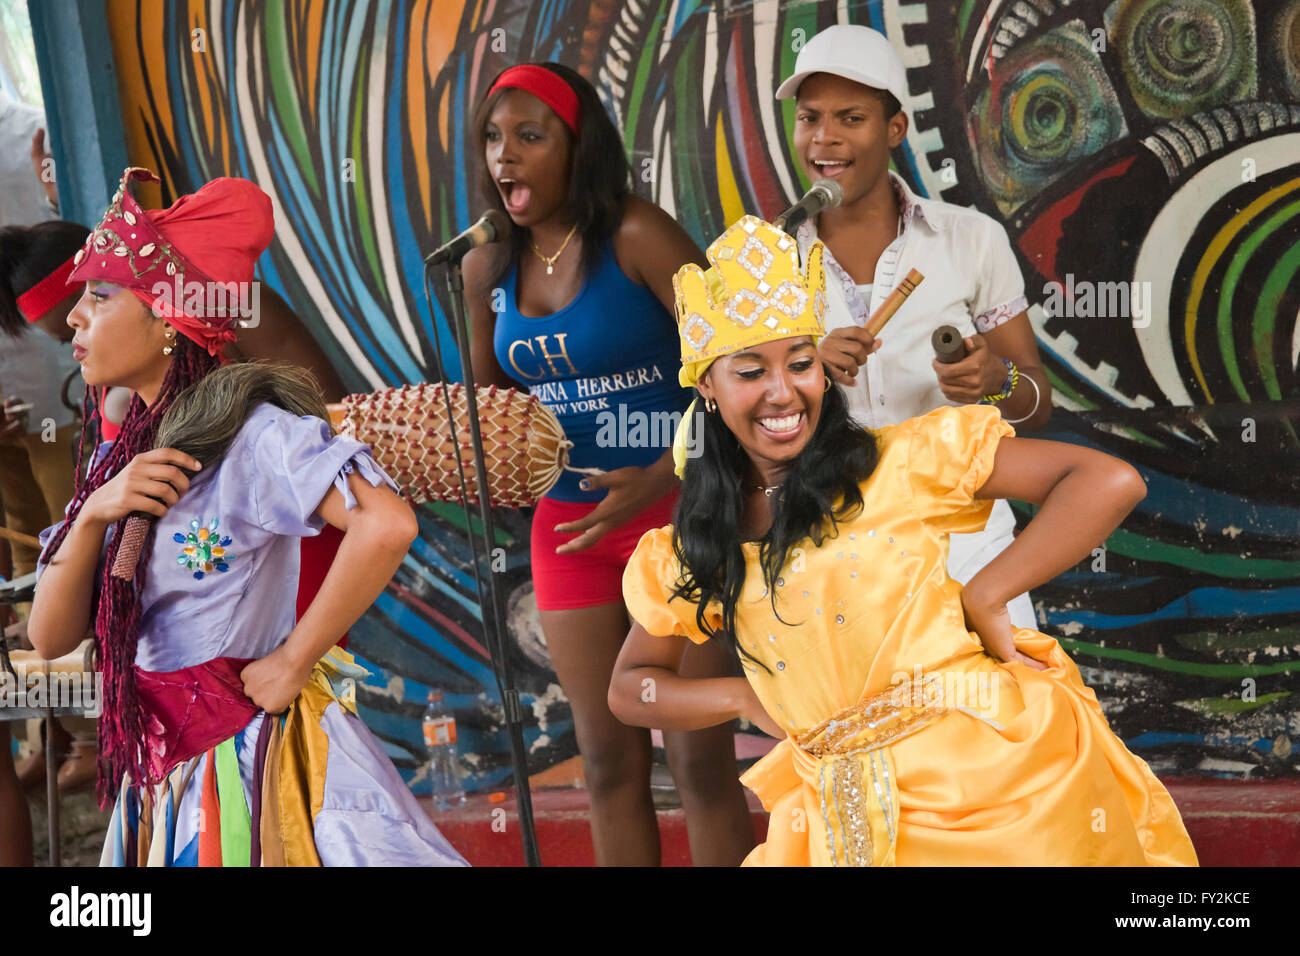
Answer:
[(211, 236)]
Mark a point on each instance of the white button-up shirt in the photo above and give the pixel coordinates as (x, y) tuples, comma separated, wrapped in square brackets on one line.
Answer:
[(22, 197), (972, 282)]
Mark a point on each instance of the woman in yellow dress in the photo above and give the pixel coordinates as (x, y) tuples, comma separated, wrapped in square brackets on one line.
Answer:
[(918, 727)]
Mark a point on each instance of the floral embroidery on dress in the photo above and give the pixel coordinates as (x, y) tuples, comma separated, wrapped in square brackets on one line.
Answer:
[(203, 550)]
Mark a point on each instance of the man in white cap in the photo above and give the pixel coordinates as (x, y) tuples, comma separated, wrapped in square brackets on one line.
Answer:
[(849, 86)]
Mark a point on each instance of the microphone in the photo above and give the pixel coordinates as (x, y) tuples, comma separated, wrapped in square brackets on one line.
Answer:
[(824, 194), (493, 226)]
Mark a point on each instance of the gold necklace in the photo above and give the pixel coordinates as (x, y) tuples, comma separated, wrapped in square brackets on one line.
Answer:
[(550, 261)]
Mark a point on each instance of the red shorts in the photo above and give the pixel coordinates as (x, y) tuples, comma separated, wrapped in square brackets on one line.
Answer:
[(564, 582)]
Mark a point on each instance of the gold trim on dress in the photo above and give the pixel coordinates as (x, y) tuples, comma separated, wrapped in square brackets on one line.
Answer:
[(841, 743)]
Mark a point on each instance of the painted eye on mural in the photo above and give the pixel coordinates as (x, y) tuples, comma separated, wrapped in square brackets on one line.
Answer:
[(1185, 56), (1042, 115), (1281, 43), (1049, 105)]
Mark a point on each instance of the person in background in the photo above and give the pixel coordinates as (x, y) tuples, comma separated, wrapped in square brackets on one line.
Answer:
[(583, 319), (849, 85), (24, 199), (37, 449), (15, 817)]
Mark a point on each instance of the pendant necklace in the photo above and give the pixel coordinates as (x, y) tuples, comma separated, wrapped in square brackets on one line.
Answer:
[(550, 261)]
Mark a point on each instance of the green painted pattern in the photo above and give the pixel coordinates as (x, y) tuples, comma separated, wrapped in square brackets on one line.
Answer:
[(1140, 548), (1132, 545), (689, 127), (1058, 385), (279, 67), (797, 18), (1238, 640), (963, 19), (1267, 307), (364, 223), (1172, 665), (454, 515), (1218, 706), (649, 52), (1142, 439), (1240, 258)]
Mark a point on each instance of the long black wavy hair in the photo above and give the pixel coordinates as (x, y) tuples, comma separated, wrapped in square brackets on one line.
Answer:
[(599, 175), (820, 489)]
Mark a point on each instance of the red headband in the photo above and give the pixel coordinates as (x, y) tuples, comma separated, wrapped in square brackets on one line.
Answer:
[(548, 87), (47, 293)]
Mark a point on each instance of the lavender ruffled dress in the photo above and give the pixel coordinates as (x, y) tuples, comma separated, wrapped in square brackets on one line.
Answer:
[(312, 787)]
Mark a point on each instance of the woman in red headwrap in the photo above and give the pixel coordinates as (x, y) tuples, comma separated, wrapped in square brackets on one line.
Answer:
[(576, 305), (229, 722), (36, 473)]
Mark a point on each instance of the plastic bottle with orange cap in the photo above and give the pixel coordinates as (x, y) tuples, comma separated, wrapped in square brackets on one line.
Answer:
[(444, 761)]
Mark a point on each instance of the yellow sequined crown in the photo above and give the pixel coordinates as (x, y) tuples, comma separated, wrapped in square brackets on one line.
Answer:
[(754, 293)]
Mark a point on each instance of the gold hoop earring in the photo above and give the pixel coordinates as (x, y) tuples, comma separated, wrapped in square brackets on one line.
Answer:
[(710, 405), (168, 334), (827, 387)]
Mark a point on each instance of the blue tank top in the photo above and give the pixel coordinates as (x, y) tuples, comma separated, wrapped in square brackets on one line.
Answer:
[(606, 365)]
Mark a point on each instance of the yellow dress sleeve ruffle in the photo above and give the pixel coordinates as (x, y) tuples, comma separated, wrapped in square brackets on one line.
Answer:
[(648, 582), (949, 455)]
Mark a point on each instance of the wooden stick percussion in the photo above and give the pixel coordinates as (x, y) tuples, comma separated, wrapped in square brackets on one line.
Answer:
[(894, 302)]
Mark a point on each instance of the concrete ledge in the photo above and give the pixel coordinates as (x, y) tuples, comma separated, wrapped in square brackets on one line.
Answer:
[(1231, 822)]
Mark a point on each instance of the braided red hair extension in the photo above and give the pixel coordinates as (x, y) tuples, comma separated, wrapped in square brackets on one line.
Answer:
[(117, 621)]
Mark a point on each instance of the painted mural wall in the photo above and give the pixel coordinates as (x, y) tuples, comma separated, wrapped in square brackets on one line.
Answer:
[(1144, 156)]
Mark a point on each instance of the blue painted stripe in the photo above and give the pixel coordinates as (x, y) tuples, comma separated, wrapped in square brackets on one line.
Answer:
[(1200, 603), (431, 556), (410, 262), (410, 621), (1168, 495), (232, 95), (1214, 741)]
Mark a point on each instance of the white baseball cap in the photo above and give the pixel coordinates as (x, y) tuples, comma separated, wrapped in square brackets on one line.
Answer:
[(854, 52)]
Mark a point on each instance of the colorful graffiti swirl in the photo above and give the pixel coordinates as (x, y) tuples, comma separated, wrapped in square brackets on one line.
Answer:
[(1150, 145)]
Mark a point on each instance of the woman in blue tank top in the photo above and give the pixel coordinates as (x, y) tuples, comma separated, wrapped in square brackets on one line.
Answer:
[(576, 306)]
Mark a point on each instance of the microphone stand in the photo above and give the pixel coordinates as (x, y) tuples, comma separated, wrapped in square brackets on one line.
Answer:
[(493, 629)]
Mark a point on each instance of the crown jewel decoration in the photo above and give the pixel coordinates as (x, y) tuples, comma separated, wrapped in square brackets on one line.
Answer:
[(128, 245), (755, 292)]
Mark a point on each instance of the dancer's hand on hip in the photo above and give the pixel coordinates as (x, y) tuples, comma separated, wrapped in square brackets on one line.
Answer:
[(275, 680), (990, 619)]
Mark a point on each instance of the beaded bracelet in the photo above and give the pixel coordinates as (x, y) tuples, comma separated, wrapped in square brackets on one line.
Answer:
[(1009, 386)]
